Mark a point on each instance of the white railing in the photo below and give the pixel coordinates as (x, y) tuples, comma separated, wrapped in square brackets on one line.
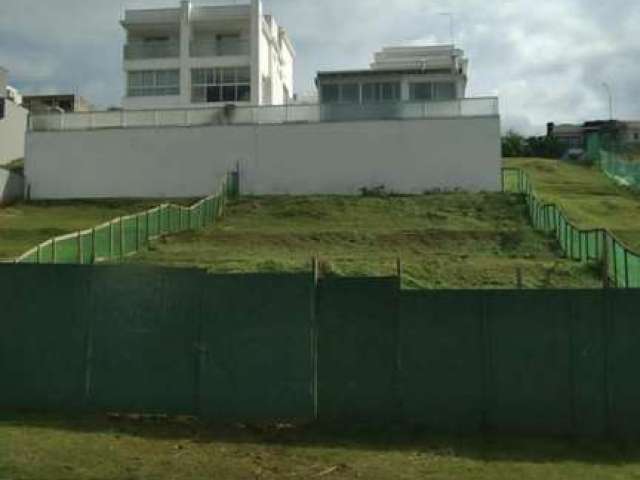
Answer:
[(138, 51), (278, 114), (219, 49)]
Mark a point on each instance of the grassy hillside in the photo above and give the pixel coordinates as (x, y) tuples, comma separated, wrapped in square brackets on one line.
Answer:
[(590, 199), (78, 448), (444, 240)]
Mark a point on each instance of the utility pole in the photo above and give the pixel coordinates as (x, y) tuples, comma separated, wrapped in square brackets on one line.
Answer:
[(610, 94)]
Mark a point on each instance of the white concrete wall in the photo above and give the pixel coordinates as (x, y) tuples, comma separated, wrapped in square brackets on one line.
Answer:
[(406, 156), (12, 132), (11, 186)]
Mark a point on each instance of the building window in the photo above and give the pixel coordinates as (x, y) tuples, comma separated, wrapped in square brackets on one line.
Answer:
[(2, 101), (636, 136), (210, 85), (427, 91), (341, 93), (380, 92), (153, 83)]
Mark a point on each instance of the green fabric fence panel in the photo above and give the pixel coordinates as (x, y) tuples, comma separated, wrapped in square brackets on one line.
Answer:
[(255, 347), (144, 326), (42, 337), (357, 342), (623, 360), (442, 357), (529, 362)]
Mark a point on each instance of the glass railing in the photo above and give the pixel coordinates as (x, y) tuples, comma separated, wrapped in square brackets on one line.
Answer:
[(139, 51), (277, 114)]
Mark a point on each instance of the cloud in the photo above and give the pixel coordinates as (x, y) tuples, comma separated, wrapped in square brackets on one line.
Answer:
[(547, 60)]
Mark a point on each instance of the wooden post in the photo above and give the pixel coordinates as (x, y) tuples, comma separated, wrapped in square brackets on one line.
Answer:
[(519, 282)]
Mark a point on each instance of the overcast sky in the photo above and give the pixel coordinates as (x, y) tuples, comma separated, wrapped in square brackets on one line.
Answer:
[(545, 59)]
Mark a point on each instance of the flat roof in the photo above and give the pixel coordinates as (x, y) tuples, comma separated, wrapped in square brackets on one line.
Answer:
[(414, 71)]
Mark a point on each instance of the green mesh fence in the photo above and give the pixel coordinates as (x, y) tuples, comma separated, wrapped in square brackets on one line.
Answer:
[(595, 245), (618, 160), (128, 235)]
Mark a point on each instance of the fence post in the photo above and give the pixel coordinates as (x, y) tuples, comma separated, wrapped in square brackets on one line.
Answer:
[(147, 228), (54, 256), (110, 240), (80, 253), (38, 254), (121, 239), (605, 261), (137, 233), (519, 282), (626, 268), (93, 246)]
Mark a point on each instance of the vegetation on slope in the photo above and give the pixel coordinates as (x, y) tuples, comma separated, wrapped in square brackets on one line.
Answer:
[(589, 198), (444, 240)]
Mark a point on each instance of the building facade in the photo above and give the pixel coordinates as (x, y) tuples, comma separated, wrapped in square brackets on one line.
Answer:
[(195, 56), (63, 102), (411, 74), (13, 122)]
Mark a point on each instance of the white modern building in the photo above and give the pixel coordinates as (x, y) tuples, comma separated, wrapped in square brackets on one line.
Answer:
[(13, 121), (412, 74), (193, 56)]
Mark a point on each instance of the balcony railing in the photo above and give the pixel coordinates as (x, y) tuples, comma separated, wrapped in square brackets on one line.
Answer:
[(140, 51), (267, 115), (219, 49)]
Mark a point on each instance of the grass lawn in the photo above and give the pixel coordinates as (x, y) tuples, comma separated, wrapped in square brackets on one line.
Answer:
[(38, 447), (444, 240), (25, 225), (589, 198)]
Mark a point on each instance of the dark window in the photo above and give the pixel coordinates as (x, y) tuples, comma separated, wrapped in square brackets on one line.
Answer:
[(420, 91), (2, 108), (350, 93), (330, 94)]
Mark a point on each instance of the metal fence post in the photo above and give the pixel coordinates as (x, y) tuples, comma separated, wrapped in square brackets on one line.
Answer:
[(110, 240), (605, 261), (626, 268), (147, 228), (137, 233), (94, 254), (80, 253), (122, 240), (54, 256)]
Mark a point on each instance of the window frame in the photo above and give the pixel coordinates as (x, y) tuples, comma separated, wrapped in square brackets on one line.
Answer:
[(149, 84), (206, 81)]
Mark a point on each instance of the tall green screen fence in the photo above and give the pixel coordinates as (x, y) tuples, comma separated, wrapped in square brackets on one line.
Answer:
[(127, 235), (584, 245), (618, 160)]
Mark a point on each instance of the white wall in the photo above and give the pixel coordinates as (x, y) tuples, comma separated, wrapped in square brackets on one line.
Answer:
[(11, 186), (407, 156), (12, 132)]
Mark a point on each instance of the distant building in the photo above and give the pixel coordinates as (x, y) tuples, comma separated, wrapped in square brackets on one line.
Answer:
[(419, 74), (194, 56), (65, 102), (13, 121), (574, 136)]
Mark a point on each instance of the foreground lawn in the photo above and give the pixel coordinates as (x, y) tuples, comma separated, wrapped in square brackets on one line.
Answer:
[(444, 240), (25, 225), (38, 447), (589, 198)]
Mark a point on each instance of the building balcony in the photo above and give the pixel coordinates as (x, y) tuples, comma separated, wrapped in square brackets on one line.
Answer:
[(265, 115), (141, 51), (219, 49)]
